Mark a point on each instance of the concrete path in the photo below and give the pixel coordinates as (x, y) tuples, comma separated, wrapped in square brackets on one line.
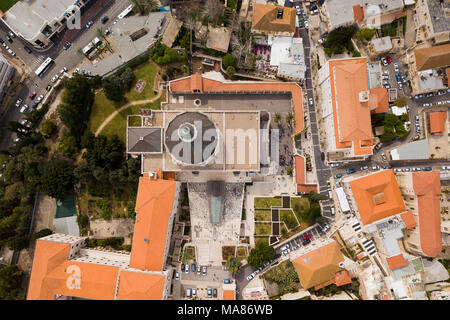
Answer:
[(115, 113)]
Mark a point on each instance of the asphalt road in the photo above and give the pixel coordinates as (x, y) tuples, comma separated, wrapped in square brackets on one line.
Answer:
[(63, 58)]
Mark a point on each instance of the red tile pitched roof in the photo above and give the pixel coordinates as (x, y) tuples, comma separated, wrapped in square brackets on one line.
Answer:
[(397, 261), (427, 187), (408, 219), (437, 122)]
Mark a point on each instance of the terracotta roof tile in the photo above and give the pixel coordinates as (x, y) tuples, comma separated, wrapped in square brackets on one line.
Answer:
[(380, 100), (319, 265), (140, 286), (370, 188), (437, 122), (265, 18), (154, 206), (358, 12), (427, 187), (397, 261), (229, 295), (408, 219), (348, 77)]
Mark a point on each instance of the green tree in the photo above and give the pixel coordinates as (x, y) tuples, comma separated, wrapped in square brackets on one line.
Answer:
[(144, 6), (10, 283), (365, 34), (231, 71), (339, 40), (48, 128), (228, 60), (41, 233), (356, 53), (113, 88), (289, 171), (277, 118), (57, 178), (400, 102), (260, 254), (233, 264), (127, 78), (289, 118), (67, 144)]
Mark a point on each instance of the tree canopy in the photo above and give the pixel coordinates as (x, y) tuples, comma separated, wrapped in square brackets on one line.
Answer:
[(365, 33), (57, 178), (260, 254), (10, 283), (339, 40), (233, 264)]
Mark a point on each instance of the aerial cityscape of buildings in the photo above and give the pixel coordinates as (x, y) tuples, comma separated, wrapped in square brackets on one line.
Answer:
[(225, 150)]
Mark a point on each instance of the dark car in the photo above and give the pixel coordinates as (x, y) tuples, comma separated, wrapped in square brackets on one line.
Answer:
[(427, 169), (350, 171), (105, 19), (215, 293), (322, 156), (306, 241), (339, 175), (67, 45), (182, 267), (27, 49), (8, 38), (193, 267), (1, 41)]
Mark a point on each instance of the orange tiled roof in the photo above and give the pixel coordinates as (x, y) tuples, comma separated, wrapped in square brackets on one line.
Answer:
[(342, 278), (319, 265), (361, 256), (300, 169), (427, 187), (154, 206), (358, 12), (408, 219), (265, 18), (352, 126), (51, 269), (397, 261), (140, 286), (447, 72), (209, 85), (437, 122), (380, 100), (229, 295), (377, 196), (306, 188)]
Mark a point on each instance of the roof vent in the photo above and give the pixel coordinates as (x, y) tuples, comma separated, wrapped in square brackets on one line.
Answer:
[(197, 102), (364, 96), (341, 265), (146, 240)]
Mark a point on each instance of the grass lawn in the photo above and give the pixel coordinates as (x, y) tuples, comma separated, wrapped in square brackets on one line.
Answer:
[(135, 121), (261, 239), (103, 107), (287, 216), (263, 229), (299, 205), (145, 72), (263, 215), (118, 125), (266, 202), (6, 4), (189, 254), (241, 252)]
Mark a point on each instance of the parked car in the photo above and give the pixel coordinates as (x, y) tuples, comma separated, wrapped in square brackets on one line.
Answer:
[(338, 176), (283, 248), (332, 211), (89, 24), (383, 155), (397, 170), (441, 92), (64, 69), (67, 45), (24, 108), (322, 156), (177, 275), (199, 271), (364, 168), (311, 101), (194, 292), (105, 19), (11, 52), (186, 269), (384, 61), (226, 281), (427, 169), (8, 38), (250, 277), (188, 292), (396, 67), (18, 102), (204, 270), (350, 171), (193, 267), (209, 292), (446, 168), (376, 167), (12, 34), (334, 164), (215, 293), (27, 49)]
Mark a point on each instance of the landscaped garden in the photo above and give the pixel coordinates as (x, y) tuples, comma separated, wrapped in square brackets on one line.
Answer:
[(6, 4), (261, 239), (263, 215), (188, 254), (267, 202), (227, 251), (288, 217), (263, 229), (285, 276)]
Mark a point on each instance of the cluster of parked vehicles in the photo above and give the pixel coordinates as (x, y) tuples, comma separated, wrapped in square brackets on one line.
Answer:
[(412, 169), (252, 275)]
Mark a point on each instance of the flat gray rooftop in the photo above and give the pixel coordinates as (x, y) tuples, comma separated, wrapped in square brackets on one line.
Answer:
[(439, 19), (270, 102), (28, 17)]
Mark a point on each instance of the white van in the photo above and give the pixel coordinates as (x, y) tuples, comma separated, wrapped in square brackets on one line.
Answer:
[(332, 211), (188, 292)]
